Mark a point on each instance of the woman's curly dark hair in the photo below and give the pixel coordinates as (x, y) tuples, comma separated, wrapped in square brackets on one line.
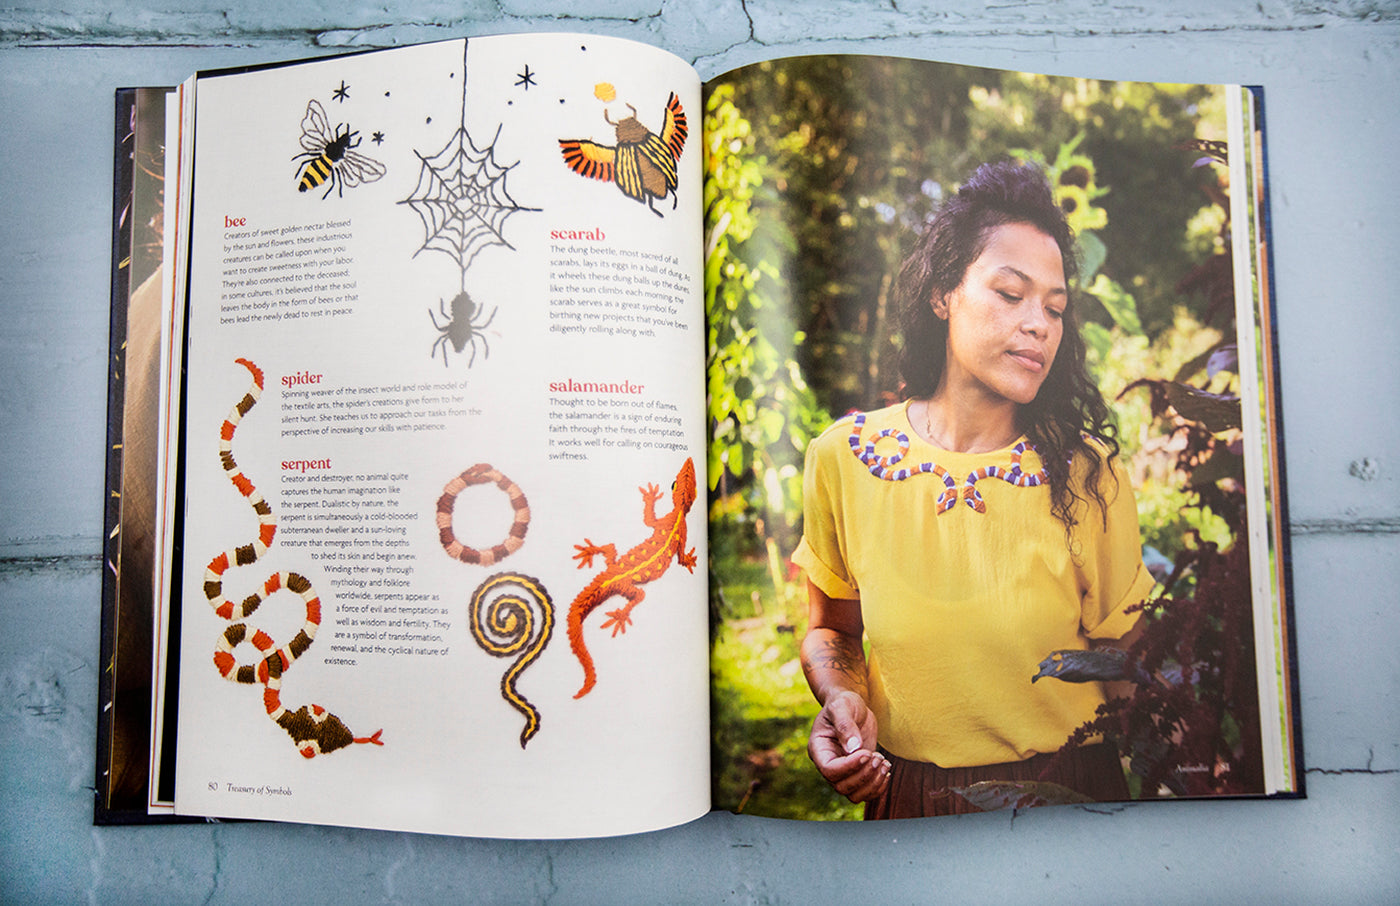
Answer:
[(1069, 409)]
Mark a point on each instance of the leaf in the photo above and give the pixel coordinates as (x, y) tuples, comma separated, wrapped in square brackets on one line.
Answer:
[(1226, 358), (1093, 254), (1217, 411), (991, 795), (1222, 464), (1097, 338), (1192, 366), (1119, 303), (1157, 391), (1074, 666)]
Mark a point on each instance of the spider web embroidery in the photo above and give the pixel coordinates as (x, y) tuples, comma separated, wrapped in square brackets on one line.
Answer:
[(461, 195), (462, 199)]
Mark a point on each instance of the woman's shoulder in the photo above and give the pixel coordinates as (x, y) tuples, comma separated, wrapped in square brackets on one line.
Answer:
[(1100, 449), (855, 422), (1099, 464)]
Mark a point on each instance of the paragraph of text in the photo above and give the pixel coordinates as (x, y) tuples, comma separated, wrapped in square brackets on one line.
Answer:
[(615, 292), (288, 272), (582, 425)]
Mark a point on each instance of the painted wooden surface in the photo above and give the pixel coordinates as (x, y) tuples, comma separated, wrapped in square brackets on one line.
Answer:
[(1331, 72)]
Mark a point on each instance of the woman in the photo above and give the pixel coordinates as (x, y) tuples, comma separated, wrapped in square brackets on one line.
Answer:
[(972, 529)]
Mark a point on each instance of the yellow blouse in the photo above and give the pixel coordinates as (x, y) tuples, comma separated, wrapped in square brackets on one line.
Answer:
[(966, 582)]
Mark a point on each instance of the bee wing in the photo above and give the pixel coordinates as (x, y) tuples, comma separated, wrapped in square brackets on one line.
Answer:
[(356, 168), (588, 158), (674, 128), (315, 128)]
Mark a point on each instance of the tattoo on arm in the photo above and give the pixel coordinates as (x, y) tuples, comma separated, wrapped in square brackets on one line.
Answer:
[(834, 663), (840, 654)]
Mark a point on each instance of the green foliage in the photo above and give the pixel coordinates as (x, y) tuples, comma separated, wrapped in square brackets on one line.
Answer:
[(1119, 304), (1117, 357), (761, 411), (1130, 130), (762, 709), (1073, 176)]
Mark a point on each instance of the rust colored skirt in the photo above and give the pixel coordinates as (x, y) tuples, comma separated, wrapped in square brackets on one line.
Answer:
[(918, 788)]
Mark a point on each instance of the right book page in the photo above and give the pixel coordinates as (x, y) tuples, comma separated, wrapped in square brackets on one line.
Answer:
[(824, 174)]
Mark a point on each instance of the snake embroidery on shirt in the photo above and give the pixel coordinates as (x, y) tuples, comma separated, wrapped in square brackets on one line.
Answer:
[(625, 575), (313, 729), (883, 467)]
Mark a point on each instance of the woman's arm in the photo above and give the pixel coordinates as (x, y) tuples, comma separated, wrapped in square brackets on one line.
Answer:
[(842, 742)]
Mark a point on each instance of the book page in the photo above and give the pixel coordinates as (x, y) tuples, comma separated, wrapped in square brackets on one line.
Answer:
[(838, 252), (445, 534)]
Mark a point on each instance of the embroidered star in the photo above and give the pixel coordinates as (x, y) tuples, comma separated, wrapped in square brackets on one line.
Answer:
[(526, 78), (341, 93)]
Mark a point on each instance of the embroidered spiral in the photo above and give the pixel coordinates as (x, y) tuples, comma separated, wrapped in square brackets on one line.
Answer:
[(313, 730), (506, 623), (509, 623)]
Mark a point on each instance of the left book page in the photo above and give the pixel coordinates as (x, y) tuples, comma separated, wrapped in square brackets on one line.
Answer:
[(443, 556)]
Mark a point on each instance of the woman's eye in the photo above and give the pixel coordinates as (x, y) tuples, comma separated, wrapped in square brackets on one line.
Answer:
[(1009, 297), (1056, 314)]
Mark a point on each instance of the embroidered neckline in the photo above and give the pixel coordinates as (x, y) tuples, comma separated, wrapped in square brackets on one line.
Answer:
[(883, 467)]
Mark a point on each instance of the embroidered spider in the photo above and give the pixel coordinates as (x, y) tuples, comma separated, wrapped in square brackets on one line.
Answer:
[(461, 329)]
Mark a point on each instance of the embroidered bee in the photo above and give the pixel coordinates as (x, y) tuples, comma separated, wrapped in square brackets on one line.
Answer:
[(642, 164), (330, 156)]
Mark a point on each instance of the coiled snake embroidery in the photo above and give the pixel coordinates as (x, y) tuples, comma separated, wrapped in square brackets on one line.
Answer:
[(883, 467), (509, 623), (313, 729)]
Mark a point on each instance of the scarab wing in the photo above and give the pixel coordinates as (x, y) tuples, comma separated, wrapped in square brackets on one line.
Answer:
[(315, 128), (659, 153), (674, 128), (589, 158), (629, 170), (665, 149)]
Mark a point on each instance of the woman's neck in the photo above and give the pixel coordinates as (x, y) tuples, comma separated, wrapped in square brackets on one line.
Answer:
[(961, 424)]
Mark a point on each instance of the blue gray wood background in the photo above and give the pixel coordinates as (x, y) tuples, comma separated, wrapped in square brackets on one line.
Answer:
[(1332, 73)]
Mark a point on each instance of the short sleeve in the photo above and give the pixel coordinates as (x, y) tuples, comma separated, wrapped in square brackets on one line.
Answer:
[(1110, 550), (821, 552)]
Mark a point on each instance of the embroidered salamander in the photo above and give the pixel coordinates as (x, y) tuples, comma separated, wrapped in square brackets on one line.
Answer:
[(625, 575)]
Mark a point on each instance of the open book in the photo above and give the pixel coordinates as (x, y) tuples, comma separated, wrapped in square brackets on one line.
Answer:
[(452, 367)]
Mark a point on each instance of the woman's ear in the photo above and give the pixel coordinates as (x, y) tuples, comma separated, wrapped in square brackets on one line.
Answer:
[(939, 302)]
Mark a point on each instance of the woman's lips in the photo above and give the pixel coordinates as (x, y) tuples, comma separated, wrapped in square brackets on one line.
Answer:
[(1030, 359)]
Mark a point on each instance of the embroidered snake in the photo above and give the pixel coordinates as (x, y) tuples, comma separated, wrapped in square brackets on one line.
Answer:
[(509, 623), (626, 575), (313, 729), (883, 467)]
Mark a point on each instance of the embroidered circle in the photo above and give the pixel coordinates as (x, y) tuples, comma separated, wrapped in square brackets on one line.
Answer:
[(482, 473)]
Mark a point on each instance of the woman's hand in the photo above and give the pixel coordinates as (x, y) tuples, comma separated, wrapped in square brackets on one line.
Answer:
[(842, 746), (842, 743)]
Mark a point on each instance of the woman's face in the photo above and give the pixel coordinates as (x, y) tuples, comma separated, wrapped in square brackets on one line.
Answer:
[(1006, 318)]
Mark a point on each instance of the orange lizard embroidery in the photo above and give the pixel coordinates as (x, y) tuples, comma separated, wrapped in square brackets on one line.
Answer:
[(626, 574)]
